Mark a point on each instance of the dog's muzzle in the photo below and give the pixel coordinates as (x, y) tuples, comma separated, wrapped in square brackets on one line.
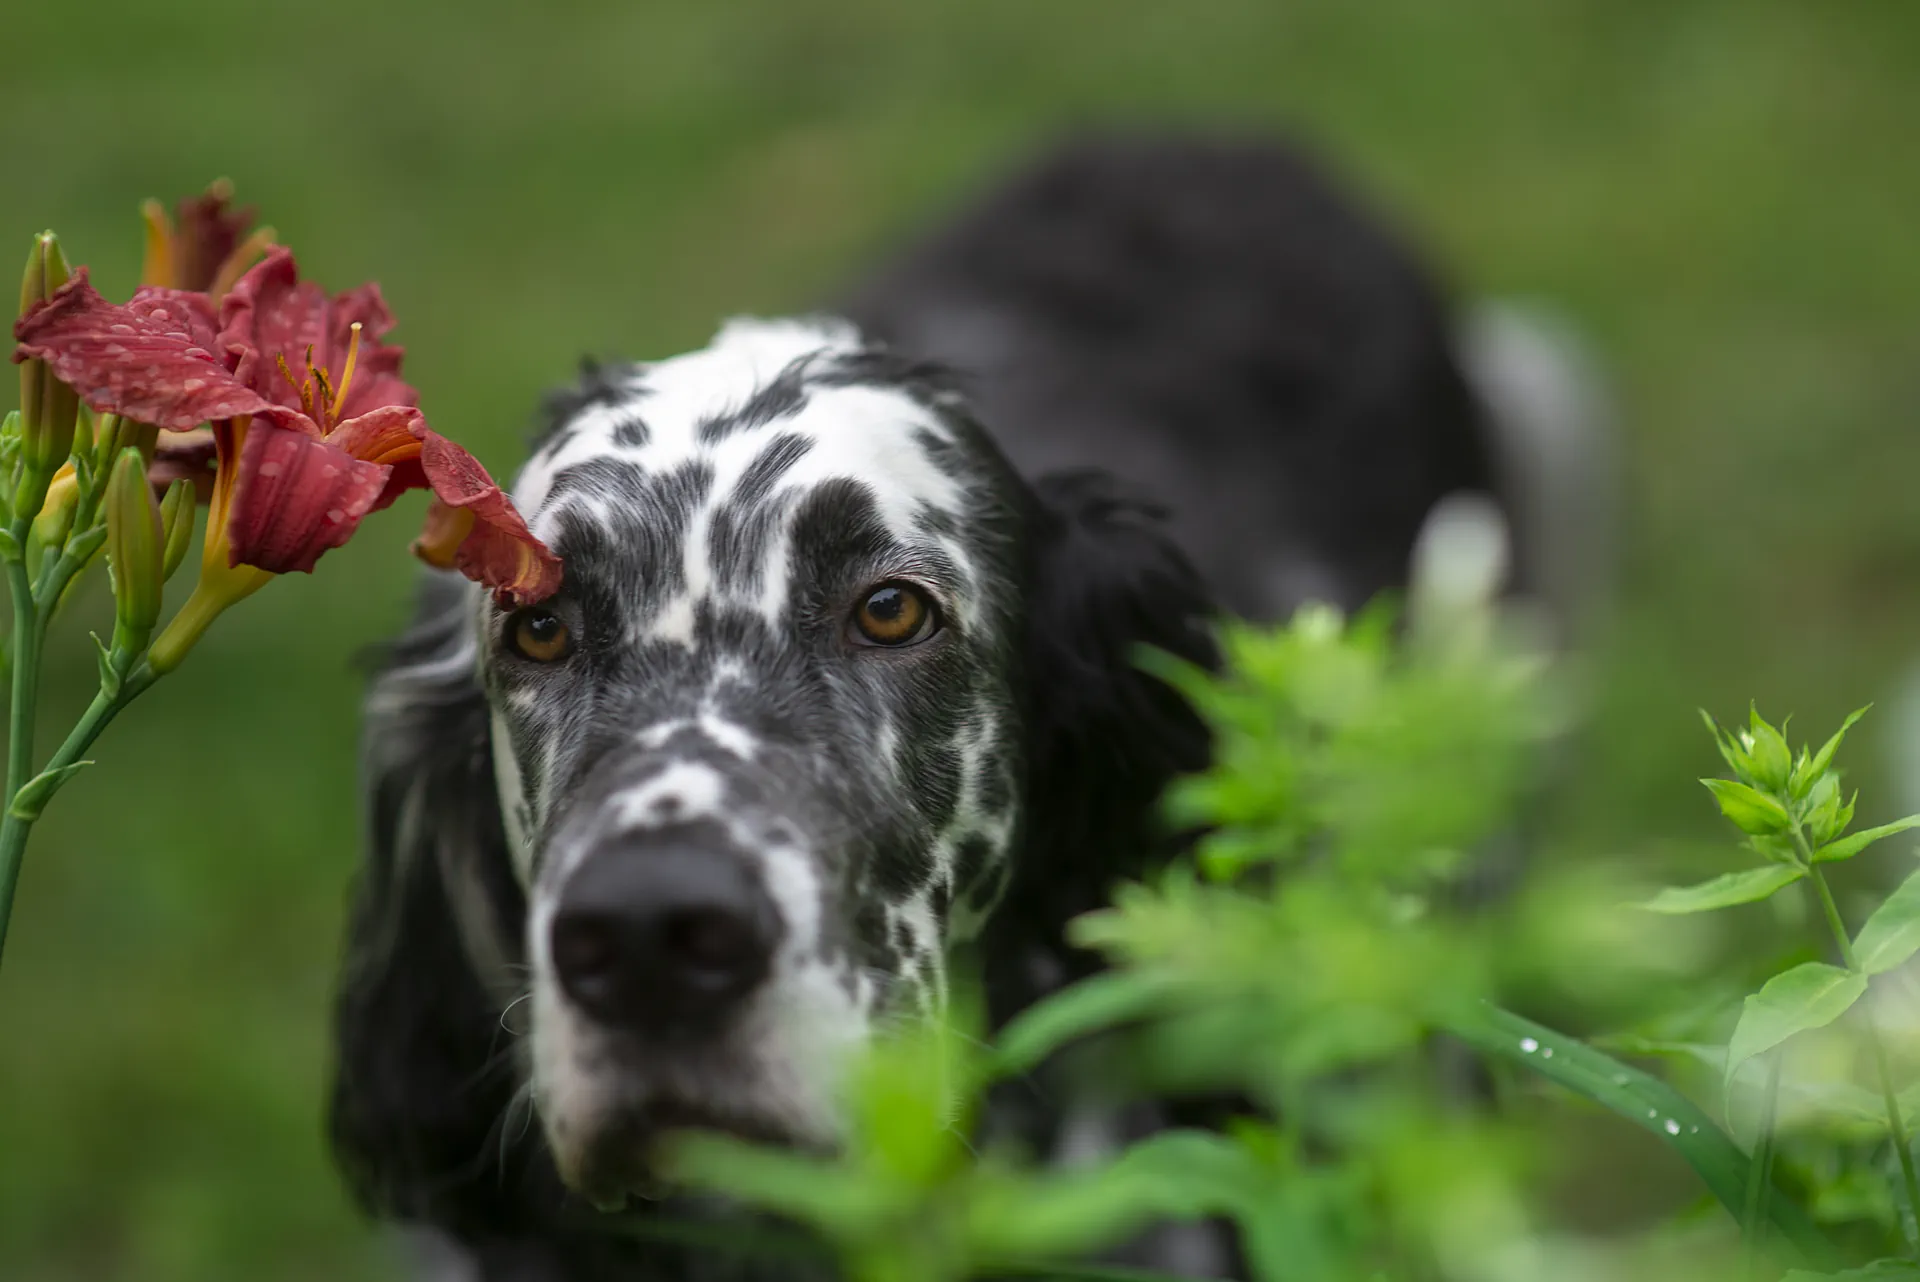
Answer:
[(664, 933)]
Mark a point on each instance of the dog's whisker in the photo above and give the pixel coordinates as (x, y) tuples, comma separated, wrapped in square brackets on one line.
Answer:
[(509, 1009)]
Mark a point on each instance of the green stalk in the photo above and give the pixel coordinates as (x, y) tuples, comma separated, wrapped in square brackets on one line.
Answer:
[(14, 829), (1760, 1175), (34, 605), (26, 683), (1895, 1123)]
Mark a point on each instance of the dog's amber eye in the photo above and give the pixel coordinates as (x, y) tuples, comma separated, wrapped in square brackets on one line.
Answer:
[(539, 635), (894, 614)]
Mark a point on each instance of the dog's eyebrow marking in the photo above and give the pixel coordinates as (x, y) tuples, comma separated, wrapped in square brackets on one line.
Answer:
[(781, 398), (772, 463)]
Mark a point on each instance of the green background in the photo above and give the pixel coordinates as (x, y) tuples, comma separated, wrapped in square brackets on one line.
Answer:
[(1723, 195)]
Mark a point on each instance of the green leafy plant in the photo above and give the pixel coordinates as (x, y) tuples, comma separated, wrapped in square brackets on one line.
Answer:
[(1337, 958)]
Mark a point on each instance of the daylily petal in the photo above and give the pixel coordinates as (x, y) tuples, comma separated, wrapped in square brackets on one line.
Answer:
[(386, 435), (294, 498), (271, 315), (376, 379), (153, 360), (205, 234), (393, 436), (495, 548)]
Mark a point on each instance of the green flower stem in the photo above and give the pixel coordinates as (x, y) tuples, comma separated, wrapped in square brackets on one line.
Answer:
[(1895, 1122), (26, 681), (14, 829), (34, 604)]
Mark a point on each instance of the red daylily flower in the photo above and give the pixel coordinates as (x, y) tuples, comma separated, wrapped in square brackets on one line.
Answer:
[(312, 424), (205, 246)]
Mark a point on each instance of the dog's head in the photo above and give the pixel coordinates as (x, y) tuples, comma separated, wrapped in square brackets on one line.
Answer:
[(824, 679)]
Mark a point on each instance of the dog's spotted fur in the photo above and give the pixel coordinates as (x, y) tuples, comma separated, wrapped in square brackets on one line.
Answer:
[(720, 516)]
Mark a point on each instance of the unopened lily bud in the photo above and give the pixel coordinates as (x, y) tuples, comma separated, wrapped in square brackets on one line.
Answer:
[(48, 407), (176, 525), (135, 552), (50, 528), (83, 433), (114, 434), (47, 271), (106, 441)]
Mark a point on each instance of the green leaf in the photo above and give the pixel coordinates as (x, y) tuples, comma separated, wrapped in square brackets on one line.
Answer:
[(1828, 821), (108, 665), (1087, 1007), (1709, 1054), (1848, 847), (1751, 811), (1892, 934), (836, 1198), (1878, 1271), (1811, 995), (1724, 891), (1179, 1175), (1824, 758), (1772, 759), (1800, 782), (1647, 1102), (1730, 749), (34, 794)]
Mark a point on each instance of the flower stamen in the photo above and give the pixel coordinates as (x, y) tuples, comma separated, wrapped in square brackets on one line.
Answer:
[(305, 389), (346, 375), (325, 402)]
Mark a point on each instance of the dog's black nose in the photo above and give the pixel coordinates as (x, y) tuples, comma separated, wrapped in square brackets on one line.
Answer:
[(663, 938)]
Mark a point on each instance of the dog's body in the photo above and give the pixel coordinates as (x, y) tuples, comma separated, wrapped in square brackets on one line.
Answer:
[(832, 687)]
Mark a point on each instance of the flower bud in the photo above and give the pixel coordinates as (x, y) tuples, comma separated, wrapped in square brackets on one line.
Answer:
[(47, 271), (51, 527), (135, 551), (114, 434), (48, 407), (176, 525)]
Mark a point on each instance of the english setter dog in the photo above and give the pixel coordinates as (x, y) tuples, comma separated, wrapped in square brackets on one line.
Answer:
[(841, 677)]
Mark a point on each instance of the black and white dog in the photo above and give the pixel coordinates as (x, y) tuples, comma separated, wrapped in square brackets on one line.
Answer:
[(841, 677)]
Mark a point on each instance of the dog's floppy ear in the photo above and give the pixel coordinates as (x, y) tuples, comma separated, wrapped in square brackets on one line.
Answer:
[(423, 1076), (1104, 736)]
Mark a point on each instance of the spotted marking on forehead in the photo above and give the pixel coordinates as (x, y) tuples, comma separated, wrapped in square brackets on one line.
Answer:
[(769, 413)]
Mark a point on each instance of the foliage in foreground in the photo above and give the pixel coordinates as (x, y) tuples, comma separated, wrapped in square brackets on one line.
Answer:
[(1335, 962)]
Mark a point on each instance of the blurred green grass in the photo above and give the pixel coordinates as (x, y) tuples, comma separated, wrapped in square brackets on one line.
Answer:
[(1720, 192)]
